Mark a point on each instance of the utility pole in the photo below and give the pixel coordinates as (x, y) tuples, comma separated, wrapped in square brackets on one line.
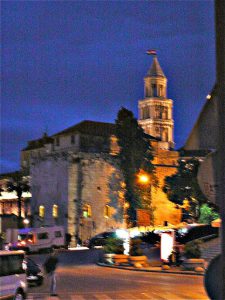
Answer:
[(220, 79)]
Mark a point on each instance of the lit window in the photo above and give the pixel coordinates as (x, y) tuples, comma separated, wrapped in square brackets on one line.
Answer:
[(107, 211), (41, 211), (55, 211), (86, 211)]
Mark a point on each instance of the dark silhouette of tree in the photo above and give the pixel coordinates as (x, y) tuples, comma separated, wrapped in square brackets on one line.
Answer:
[(135, 155), (19, 184), (184, 186)]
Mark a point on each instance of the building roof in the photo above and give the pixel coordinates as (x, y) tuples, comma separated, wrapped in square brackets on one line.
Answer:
[(155, 69), (91, 128), (85, 127), (39, 143)]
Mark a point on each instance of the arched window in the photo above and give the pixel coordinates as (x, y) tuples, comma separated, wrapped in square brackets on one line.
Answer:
[(154, 90), (107, 211), (55, 211), (87, 211), (41, 211)]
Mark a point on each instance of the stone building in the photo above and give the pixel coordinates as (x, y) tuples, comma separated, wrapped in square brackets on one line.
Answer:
[(75, 177)]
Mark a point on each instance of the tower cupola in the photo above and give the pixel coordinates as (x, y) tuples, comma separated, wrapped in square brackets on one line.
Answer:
[(155, 81)]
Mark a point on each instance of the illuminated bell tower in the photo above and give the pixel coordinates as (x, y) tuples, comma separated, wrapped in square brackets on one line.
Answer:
[(156, 110)]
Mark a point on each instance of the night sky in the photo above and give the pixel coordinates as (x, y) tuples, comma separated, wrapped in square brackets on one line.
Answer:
[(67, 61)]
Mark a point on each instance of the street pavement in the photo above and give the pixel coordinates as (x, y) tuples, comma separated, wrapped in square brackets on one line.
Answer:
[(87, 282)]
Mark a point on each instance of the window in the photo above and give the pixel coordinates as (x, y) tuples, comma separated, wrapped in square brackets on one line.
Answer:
[(72, 139), (107, 211), (57, 141), (154, 90), (41, 211), (58, 234), (55, 211), (42, 236), (87, 211)]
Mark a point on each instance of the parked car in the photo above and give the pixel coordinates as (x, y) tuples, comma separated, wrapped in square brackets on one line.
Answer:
[(100, 239), (12, 275), (193, 232), (33, 272)]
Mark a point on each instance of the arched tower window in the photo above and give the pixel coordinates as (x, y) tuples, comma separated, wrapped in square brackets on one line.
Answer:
[(154, 90)]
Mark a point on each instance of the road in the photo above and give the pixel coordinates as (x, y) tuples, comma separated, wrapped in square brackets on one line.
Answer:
[(87, 282)]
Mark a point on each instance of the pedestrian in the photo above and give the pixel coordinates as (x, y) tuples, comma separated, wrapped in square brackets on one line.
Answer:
[(50, 267)]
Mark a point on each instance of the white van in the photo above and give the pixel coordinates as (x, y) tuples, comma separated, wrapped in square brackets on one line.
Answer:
[(12, 275), (35, 239)]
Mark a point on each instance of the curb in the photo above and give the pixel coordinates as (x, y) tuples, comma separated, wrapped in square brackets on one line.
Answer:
[(151, 270)]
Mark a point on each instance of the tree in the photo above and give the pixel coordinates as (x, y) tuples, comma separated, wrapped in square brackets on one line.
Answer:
[(183, 189), (207, 214), (19, 184), (135, 155)]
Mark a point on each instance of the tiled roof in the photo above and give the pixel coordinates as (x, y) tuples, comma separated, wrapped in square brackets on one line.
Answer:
[(155, 69), (91, 128)]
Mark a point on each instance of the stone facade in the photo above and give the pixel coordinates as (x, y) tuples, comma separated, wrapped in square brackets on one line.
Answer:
[(74, 182)]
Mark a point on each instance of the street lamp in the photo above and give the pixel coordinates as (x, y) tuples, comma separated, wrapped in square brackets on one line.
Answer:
[(26, 222), (143, 178)]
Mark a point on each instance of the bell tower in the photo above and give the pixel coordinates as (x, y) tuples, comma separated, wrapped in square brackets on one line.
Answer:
[(156, 110)]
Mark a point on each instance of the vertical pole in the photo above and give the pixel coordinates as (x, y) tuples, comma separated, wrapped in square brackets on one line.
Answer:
[(220, 77)]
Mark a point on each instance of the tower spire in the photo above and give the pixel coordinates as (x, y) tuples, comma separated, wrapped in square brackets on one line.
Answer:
[(155, 110)]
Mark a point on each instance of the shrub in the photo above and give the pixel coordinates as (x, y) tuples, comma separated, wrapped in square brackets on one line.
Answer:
[(114, 245), (192, 249), (135, 247)]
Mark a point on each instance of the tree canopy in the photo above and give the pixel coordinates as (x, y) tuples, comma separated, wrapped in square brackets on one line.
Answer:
[(135, 155), (19, 184), (183, 187)]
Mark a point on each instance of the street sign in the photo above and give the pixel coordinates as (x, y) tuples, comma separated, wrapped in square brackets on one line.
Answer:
[(207, 177)]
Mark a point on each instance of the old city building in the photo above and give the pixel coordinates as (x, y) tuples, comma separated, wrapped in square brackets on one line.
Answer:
[(75, 179)]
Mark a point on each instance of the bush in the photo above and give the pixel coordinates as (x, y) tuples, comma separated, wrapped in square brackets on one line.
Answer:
[(135, 247), (114, 245), (192, 249), (207, 214)]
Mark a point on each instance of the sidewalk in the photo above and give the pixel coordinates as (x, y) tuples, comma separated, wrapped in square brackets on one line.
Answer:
[(172, 270)]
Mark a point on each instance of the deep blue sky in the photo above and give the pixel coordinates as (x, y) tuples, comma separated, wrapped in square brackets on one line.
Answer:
[(68, 61)]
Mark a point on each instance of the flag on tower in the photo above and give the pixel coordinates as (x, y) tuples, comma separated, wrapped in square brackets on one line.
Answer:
[(151, 52)]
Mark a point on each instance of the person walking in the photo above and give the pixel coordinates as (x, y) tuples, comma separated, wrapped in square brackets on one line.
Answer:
[(50, 268)]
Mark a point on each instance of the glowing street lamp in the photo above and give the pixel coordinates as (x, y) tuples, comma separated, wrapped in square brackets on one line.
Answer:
[(143, 178)]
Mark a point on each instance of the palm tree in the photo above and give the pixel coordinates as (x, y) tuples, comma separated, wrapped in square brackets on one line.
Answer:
[(19, 184)]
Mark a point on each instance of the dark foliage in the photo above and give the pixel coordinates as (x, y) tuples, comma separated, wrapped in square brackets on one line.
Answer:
[(135, 247), (135, 155), (184, 185)]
